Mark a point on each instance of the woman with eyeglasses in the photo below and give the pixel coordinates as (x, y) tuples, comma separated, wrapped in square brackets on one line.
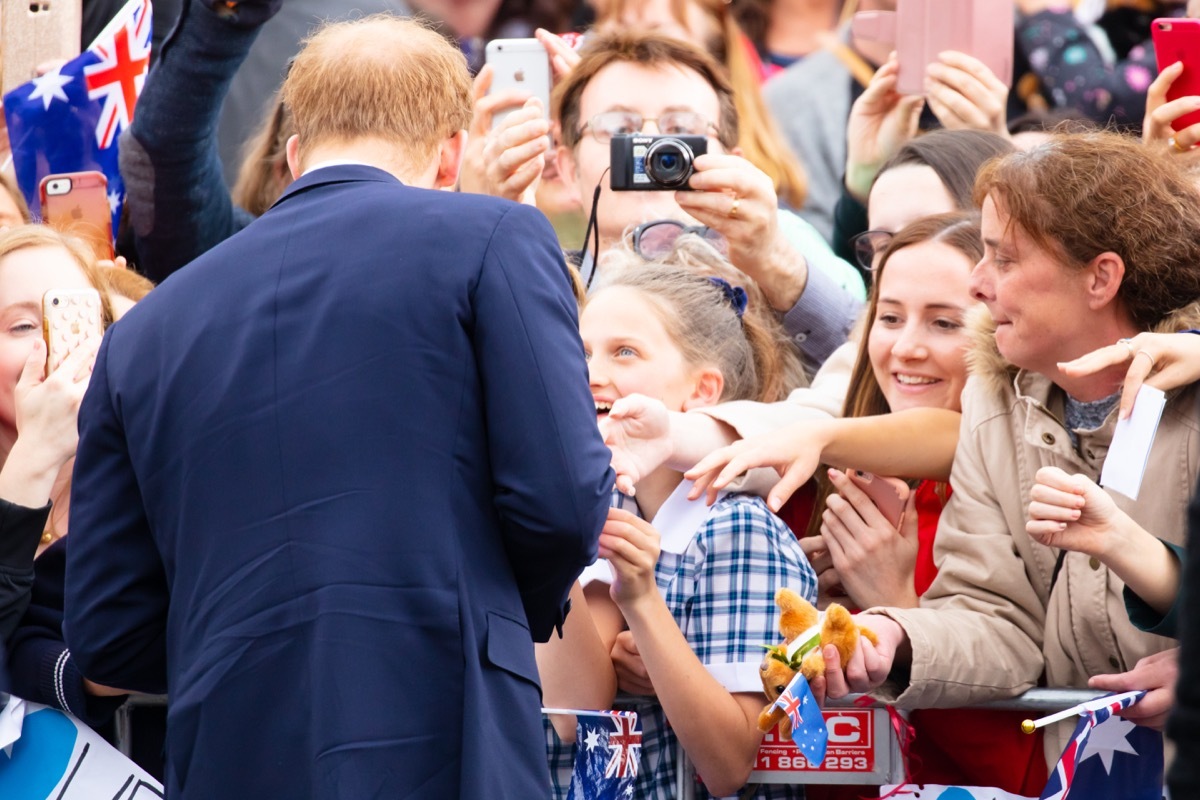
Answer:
[(930, 174)]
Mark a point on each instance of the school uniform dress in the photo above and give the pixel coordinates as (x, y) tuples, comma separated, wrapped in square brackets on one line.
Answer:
[(718, 572)]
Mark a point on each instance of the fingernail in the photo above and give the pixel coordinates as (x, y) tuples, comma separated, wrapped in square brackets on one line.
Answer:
[(832, 473)]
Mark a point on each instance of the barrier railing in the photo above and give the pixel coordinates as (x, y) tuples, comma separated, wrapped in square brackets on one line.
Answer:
[(862, 745)]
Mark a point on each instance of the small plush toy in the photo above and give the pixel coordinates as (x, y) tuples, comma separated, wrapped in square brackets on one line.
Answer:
[(798, 619)]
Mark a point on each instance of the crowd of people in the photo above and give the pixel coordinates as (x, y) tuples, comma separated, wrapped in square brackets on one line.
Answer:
[(406, 424)]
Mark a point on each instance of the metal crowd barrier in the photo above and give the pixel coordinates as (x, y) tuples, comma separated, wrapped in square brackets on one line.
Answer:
[(862, 745)]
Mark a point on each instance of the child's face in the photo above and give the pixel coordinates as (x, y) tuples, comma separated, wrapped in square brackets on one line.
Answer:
[(630, 352)]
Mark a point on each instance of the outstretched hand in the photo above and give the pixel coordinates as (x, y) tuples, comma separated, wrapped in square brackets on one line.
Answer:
[(1162, 360), (638, 431), (794, 452)]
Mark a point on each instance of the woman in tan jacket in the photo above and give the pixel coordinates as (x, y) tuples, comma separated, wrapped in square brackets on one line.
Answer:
[(1088, 239)]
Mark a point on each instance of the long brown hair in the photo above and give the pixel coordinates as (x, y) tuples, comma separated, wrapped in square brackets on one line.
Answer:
[(865, 397)]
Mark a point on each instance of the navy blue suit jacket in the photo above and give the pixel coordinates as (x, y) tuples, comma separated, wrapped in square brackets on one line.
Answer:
[(334, 477)]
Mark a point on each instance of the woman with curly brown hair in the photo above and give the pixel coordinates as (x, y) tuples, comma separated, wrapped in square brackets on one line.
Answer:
[(1088, 240)]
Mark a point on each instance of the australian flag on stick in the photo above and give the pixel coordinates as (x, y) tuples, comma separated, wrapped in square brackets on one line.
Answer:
[(608, 751), (68, 120), (1109, 756), (808, 724)]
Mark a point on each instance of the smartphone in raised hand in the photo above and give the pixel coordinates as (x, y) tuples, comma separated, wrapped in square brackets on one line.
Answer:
[(76, 203), (921, 29), (1179, 40), (69, 318), (520, 64)]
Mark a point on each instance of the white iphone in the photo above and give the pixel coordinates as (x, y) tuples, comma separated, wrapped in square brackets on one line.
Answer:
[(520, 64)]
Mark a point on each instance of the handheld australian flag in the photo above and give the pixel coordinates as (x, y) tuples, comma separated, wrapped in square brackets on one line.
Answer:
[(608, 751), (68, 120), (1109, 756), (808, 724)]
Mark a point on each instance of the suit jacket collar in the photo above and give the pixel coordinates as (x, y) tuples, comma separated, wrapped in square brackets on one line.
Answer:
[(340, 173)]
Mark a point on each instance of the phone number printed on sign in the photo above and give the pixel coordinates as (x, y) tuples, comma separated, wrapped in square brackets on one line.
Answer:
[(851, 746)]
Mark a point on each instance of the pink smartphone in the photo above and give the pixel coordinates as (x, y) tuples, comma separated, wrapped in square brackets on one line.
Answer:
[(921, 29), (888, 494), (77, 203), (1179, 40)]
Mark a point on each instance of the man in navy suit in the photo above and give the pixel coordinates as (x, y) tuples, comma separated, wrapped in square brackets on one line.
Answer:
[(338, 474)]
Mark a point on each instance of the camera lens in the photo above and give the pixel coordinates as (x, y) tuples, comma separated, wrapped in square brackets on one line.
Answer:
[(669, 163)]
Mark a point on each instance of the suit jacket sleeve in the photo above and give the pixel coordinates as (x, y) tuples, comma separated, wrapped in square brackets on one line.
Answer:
[(549, 466), (116, 588)]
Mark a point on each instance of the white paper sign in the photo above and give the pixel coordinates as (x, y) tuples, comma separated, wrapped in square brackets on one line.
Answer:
[(1129, 452), (57, 757)]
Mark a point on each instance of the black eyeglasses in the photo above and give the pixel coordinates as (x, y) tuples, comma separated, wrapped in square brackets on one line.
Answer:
[(655, 239), (869, 244)]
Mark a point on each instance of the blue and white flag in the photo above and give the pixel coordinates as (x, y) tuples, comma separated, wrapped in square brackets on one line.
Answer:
[(808, 724), (68, 120), (1109, 756), (608, 751)]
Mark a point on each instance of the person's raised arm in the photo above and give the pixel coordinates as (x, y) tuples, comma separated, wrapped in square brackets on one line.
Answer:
[(916, 443), (178, 203), (1162, 360)]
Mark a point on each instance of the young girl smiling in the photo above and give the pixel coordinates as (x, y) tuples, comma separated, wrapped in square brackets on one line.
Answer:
[(685, 601)]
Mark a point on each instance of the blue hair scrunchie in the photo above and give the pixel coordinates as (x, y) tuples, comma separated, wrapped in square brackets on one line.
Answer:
[(736, 295)]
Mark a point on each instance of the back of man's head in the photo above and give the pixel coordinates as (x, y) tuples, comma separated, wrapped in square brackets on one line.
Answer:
[(652, 50), (383, 78)]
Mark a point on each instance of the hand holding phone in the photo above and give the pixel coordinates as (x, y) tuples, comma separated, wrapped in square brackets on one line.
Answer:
[(69, 318), (920, 30), (1178, 41), (888, 494), (521, 65)]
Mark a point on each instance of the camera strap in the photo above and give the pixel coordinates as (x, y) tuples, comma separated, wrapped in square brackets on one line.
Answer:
[(592, 233)]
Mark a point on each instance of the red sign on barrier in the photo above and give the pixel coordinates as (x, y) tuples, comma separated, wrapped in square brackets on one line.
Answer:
[(851, 746)]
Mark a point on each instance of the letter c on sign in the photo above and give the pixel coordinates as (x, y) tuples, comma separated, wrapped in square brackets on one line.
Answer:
[(844, 730)]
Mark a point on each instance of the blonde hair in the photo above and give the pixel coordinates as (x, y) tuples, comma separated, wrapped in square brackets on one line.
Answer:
[(9, 184), (758, 135), (30, 236), (125, 283), (750, 351), (264, 172), (379, 77)]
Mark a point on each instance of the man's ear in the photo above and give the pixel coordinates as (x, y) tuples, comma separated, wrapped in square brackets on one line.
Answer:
[(293, 156), (568, 171), (710, 384), (1105, 274), (450, 158)]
